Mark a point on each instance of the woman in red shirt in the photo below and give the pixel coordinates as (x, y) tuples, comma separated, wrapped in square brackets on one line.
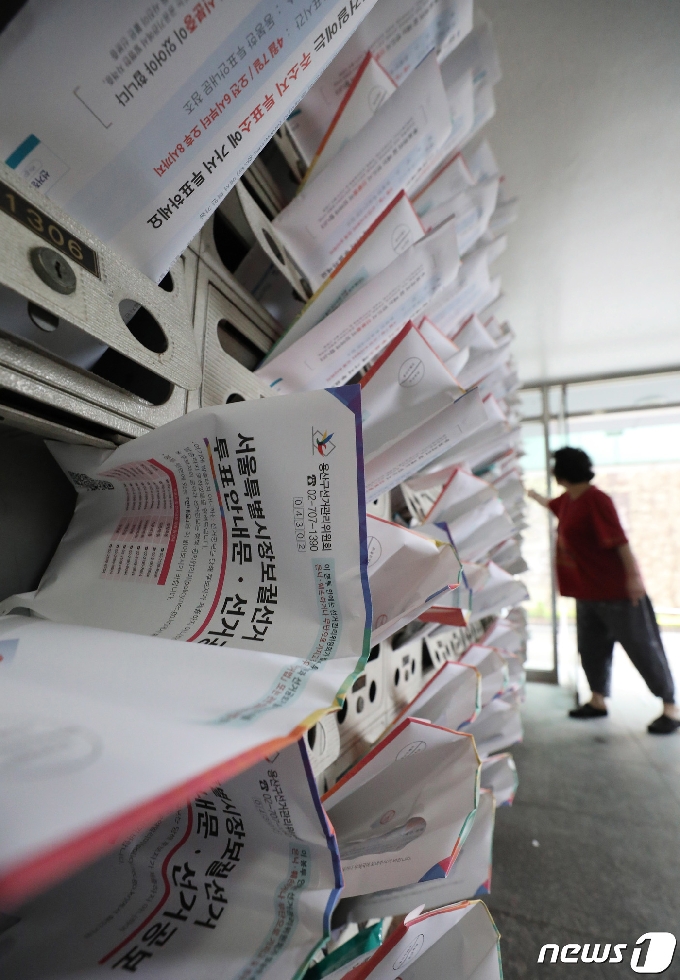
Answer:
[(596, 566)]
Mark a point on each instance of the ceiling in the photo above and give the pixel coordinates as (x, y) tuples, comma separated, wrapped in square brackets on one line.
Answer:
[(587, 132)]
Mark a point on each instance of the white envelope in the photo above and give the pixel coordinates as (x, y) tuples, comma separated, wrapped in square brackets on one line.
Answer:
[(481, 162), (406, 573), (469, 877), (395, 230), (147, 116), (461, 493), (447, 183), (240, 525), (452, 426), (450, 698), (493, 668), (406, 387), (479, 529), (504, 635), (91, 713), (475, 335), (500, 591), (492, 432), (458, 941), (508, 556), (497, 726), (356, 332), (399, 34), (471, 210), (240, 881), (332, 211), (467, 295), (402, 812), (499, 774), (480, 366), (454, 357), (369, 89)]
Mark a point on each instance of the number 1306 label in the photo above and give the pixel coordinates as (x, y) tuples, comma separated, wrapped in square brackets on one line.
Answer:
[(41, 224)]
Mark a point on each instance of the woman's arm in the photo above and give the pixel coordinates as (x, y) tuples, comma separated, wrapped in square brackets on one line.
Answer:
[(634, 584), (543, 501)]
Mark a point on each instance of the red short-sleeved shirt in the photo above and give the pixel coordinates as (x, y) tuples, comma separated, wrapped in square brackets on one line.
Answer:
[(588, 534)]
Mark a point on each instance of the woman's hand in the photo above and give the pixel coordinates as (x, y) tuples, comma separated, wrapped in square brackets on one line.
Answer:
[(635, 587), (539, 498)]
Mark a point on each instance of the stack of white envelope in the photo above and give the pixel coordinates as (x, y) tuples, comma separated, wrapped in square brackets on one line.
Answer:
[(342, 554)]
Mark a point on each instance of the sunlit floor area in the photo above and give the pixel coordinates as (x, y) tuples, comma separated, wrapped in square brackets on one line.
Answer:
[(589, 852)]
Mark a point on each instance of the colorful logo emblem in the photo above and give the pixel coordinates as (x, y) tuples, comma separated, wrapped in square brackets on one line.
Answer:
[(321, 442)]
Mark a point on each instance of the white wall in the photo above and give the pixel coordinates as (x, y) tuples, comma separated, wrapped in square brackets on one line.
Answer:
[(587, 131)]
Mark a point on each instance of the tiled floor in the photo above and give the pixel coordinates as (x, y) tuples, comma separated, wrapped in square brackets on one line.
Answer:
[(590, 851)]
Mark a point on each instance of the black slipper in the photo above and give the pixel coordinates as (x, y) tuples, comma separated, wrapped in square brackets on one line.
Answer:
[(665, 725), (587, 711)]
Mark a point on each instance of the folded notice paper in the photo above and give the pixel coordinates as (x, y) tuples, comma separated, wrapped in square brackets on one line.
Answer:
[(503, 635), (402, 812), (440, 436), (471, 210), (369, 89), (399, 34), (469, 877), (406, 387), (406, 573), (498, 726), (467, 295), (235, 526), (142, 151), (461, 493), (451, 698), (239, 882), (481, 162), (448, 182), (499, 774), (476, 532), (90, 714), (333, 210), (356, 332), (395, 230), (451, 354), (493, 668), (458, 941)]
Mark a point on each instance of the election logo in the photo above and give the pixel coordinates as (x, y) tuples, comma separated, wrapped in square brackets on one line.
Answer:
[(321, 442)]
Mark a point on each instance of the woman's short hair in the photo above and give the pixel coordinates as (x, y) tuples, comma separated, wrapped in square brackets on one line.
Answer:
[(572, 465)]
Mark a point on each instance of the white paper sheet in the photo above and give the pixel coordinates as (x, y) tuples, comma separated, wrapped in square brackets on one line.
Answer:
[(450, 698), (336, 207), (406, 573), (469, 877), (369, 89), (406, 387), (402, 813), (461, 493), (492, 667), (497, 727), (499, 774), (394, 231), (454, 357), (356, 332), (239, 882), (421, 448), (146, 116)]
